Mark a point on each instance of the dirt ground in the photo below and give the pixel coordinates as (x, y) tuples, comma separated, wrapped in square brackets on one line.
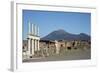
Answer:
[(73, 54)]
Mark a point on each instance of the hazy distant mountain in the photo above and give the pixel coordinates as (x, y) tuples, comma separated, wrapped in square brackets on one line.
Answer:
[(63, 35)]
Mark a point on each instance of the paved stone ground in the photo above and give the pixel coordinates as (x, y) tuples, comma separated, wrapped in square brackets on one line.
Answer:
[(78, 54)]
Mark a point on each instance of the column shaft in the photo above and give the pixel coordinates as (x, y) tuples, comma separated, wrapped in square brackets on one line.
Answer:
[(32, 46), (35, 44), (38, 45), (29, 46)]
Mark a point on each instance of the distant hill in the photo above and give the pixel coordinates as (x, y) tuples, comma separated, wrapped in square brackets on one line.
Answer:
[(63, 35)]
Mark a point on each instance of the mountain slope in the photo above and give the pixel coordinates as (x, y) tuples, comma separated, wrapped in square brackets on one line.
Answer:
[(63, 35)]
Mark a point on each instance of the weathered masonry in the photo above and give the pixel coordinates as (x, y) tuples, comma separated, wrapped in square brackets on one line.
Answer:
[(33, 39)]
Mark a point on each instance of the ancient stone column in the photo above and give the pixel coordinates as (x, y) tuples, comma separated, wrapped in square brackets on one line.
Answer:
[(29, 28), (33, 29), (29, 46), (38, 45), (32, 46), (57, 47), (38, 31), (35, 45)]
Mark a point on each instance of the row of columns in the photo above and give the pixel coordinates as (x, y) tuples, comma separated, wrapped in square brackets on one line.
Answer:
[(33, 39), (33, 46), (33, 29)]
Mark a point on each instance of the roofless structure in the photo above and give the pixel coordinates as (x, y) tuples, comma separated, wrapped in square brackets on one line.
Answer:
[(33, 39)]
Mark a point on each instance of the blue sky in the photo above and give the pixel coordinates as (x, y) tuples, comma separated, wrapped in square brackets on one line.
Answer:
[(48, 21)]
